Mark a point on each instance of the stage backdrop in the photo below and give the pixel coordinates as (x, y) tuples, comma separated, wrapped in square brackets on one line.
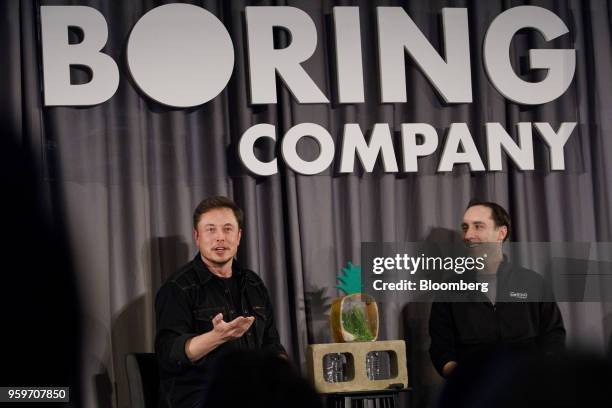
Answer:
[(126, 174)]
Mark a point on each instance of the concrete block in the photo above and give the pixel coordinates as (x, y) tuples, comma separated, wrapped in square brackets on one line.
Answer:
[(356, 353)]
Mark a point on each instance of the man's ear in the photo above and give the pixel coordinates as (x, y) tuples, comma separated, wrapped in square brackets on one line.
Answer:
[(503, 232), (195, 235)]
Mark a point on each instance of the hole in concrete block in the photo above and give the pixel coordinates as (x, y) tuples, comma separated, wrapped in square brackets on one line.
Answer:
[(381, 365), (338, 367)]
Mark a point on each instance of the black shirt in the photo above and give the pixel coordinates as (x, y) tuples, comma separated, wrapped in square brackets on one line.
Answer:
[(461, 330), (230, 285), (185, 306)]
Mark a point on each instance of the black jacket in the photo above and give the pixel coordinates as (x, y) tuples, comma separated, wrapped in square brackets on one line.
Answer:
[(185, 306), (460, 330)]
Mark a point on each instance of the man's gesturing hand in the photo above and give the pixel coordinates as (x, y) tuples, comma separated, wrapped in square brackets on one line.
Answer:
[(231, 330), (199, 346)]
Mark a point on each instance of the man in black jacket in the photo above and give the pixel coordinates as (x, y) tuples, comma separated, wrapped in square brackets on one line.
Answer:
[(503, 319), (210, 307)]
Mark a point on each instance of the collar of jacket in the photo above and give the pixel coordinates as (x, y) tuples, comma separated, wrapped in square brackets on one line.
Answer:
[(504, 269), (205, 275)]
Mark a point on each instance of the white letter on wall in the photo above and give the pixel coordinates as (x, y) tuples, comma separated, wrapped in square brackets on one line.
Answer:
[(265, 61), (326, 148), (411, 149), (498, 139), (451, 78), (460, 134), (58, 55), (354, 143), (180, 55), (349, 68), (560, 64), (247, 153), (556, 141)]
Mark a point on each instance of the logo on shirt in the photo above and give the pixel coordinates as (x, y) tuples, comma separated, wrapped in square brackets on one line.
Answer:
[(519, 295)]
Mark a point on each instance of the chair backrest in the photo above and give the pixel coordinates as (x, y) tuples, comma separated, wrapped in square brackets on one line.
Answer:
[(143, 379)]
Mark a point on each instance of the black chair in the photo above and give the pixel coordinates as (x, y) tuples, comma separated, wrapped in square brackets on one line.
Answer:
[(143, 379)]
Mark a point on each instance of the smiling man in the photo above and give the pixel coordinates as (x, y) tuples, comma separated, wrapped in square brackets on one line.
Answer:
[(209, 307), (478, 327)]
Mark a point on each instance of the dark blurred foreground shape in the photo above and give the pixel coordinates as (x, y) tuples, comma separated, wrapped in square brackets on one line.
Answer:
[(259, 379), (39, 308), (143, 380), (509, 380)]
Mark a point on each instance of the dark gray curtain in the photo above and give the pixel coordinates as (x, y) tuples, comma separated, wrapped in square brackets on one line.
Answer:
[(127, 174)]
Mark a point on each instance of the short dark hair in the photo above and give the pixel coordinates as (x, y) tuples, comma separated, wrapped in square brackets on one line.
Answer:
[(211, 203), (498, 213)]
